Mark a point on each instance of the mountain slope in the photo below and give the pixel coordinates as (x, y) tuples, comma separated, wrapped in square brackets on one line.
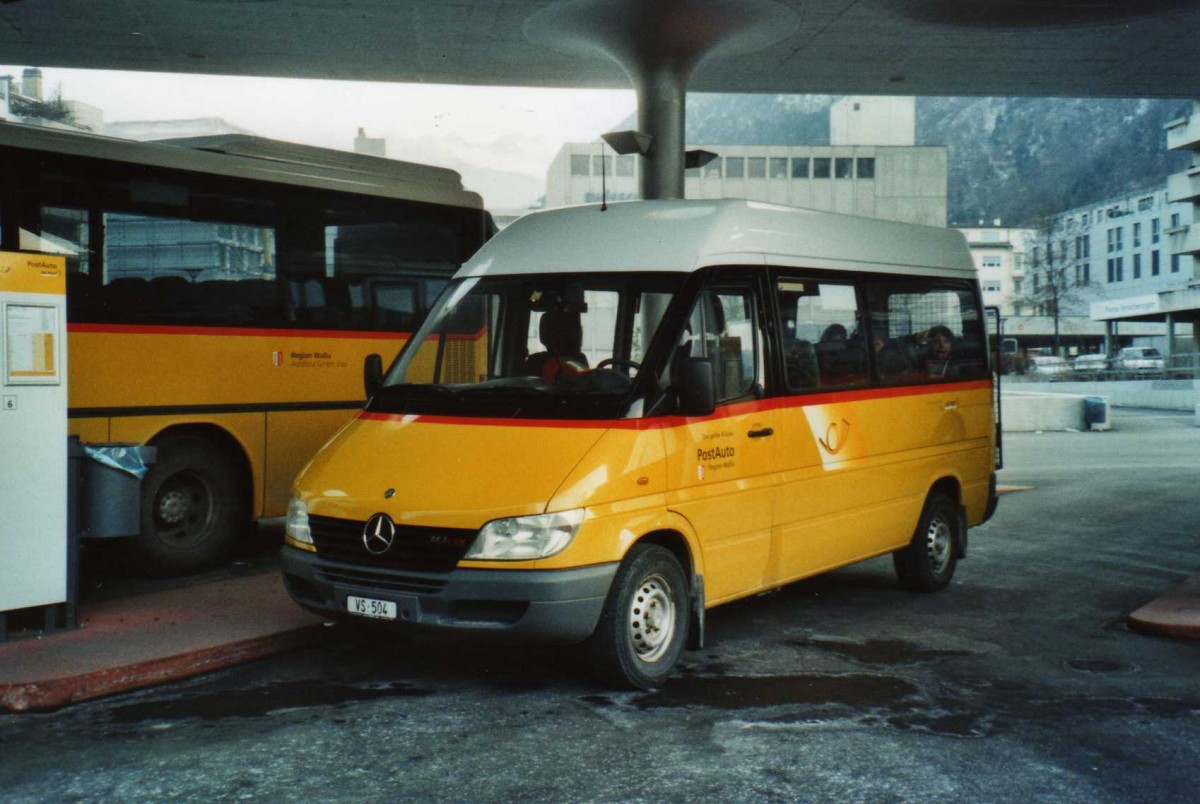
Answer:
[(1009, 158)]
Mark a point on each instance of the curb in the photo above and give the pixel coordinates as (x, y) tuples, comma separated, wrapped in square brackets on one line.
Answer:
[(58, 692), (1176, 614)]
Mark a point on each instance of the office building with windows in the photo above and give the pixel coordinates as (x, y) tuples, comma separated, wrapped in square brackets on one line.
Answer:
[(999, 253), (871, 168), (1126, 265)]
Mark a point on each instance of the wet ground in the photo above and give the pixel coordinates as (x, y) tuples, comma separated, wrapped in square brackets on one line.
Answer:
[(1020, 682)]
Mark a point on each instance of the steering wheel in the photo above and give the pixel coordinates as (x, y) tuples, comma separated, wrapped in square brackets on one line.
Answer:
[(613, 362)]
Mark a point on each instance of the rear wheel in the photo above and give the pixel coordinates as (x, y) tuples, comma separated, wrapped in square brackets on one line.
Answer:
[(192, 507), (927, 563), (644, 624)]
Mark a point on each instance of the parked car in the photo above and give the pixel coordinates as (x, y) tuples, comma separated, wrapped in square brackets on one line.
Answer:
[(1140, 360), (1046, 367), (1090, 365)]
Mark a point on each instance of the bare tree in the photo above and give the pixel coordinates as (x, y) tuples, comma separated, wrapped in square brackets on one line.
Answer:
[(54, 109), (1053, 286)]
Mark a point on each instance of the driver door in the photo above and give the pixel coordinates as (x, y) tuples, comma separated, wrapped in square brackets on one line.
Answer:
[(720, 467)]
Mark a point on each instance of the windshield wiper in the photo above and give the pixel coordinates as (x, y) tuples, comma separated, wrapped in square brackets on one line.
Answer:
[(411, 387)]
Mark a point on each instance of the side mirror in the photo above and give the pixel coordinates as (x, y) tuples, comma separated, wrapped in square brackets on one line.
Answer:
[(695, 388), (372, 374)]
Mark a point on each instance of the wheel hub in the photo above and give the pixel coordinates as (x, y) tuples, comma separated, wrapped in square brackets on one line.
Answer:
[(938, 544), (173, 507), (652, 618)]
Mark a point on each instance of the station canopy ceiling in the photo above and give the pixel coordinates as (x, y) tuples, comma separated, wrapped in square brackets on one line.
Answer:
[(1063, 48)]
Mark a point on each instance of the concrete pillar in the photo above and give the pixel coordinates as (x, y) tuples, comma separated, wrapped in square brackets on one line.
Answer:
[(658, 43), (1109, 337), (661, 111), (1170, 350)]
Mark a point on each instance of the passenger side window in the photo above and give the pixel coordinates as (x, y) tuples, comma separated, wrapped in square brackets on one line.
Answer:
[(179, 270), (723, 328), (926, 332), (823, 343)]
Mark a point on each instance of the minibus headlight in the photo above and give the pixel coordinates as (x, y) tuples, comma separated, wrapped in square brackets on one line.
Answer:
[(526, 537), (296, 526)]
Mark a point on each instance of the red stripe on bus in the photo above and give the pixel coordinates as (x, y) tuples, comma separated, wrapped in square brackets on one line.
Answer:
[(151, 329), (722, 412)]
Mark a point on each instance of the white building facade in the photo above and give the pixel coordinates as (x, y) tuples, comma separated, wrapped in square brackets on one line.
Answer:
[(891, 179), (1122, 255), (999, 254)]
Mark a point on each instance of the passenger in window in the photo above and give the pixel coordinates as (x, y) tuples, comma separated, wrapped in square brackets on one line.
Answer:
[(939, 362), (834, 333), (890, 360), (562, 334), (800, 362)]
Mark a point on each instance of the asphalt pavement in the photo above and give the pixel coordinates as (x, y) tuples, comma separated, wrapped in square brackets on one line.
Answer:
[(1022, 681)]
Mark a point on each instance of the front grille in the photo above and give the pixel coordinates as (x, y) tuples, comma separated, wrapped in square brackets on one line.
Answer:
[(416, 548), (383, 581)]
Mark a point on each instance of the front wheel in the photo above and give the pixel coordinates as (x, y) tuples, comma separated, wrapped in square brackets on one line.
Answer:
[(191, 508), (645, 620), (927, 563)]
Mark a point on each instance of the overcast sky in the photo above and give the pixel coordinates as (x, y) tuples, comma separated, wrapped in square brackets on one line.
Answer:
[(478, 131)]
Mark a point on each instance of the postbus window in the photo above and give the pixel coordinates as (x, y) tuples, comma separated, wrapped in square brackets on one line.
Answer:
[(597, 321), (926, 332), (723, 329), (179, 270), (823, 343), (65, 232), (352, 257), (648, 312), (394, 304)]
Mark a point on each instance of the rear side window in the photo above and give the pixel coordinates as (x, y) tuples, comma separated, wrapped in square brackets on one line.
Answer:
[(824, 345), (925, 331)]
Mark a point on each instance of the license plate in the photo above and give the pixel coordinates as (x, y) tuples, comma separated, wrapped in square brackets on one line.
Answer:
[(366, 607)]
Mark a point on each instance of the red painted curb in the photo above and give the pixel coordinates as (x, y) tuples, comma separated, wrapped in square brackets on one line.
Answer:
[(1176, 614), (54, 693)]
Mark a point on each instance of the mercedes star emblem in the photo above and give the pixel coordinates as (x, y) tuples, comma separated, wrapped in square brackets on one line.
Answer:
[(378, 534)]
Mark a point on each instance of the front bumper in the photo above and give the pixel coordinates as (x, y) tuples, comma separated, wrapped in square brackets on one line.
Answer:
[(517, 606)]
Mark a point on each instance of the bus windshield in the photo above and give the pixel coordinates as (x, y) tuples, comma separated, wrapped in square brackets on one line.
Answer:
[(556, 345)]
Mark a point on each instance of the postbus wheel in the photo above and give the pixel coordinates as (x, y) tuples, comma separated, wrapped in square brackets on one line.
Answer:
[(644, 624), (927, 563), (190, 508)]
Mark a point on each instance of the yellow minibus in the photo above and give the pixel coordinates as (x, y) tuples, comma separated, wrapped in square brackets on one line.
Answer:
[(614, 420)]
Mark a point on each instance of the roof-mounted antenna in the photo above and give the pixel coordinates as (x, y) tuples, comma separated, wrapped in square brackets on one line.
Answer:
[(603, 181)]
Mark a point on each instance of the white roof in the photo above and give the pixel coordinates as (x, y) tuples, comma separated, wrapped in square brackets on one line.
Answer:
[(687, 235)]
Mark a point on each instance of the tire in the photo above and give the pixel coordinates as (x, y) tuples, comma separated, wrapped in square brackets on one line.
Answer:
[(927, 563), (627, 650), (192, 507)]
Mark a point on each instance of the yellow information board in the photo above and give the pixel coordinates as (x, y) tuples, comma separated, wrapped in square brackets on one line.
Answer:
[(33, 273), (31, 328)]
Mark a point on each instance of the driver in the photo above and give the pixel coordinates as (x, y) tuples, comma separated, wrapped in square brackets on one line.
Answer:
[(561, 333)]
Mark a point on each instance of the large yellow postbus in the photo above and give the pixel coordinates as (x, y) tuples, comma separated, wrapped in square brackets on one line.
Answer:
[(615, 420), (222, 294)]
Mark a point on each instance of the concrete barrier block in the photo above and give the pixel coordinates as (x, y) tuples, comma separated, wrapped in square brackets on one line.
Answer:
[(1024, 411)]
